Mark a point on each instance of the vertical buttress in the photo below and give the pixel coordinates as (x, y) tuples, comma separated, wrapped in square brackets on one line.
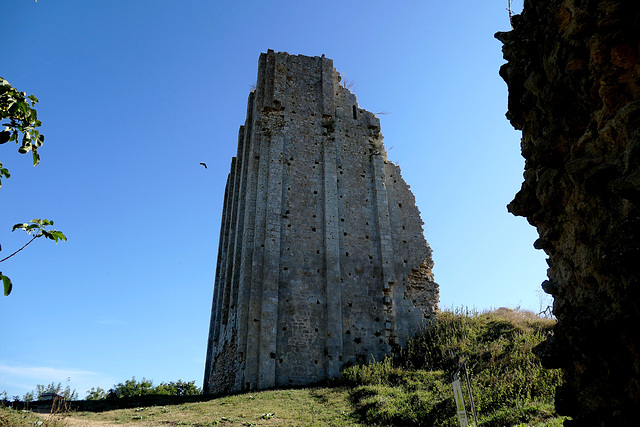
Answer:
[(244, 289), (386, 243), (333, 284)]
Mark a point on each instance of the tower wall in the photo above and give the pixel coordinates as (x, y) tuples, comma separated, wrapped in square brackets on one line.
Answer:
[(322, 259)]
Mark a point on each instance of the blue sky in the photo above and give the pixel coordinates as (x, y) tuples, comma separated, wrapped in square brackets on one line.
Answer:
[(133, 95)]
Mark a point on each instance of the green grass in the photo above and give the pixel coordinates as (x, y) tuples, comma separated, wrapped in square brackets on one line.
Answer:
[(509, 386)]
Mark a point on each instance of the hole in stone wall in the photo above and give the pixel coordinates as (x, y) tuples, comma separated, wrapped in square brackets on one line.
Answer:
[(348, 332), (316, 329), (341, 219), (346, 254), (315, 192), (355, 117), (315, 361), (284, 328), (317, 301), (345, 233), (349, 304), (281, 360), (286, 268), (313, 229), (366, 237), (357, 340), (399, 205)]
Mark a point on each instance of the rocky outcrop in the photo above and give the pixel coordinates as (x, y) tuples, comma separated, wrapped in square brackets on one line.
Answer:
[(573, 74)]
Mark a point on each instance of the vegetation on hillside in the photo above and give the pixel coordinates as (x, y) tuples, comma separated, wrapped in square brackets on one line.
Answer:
[(509, 386), (413, 388)]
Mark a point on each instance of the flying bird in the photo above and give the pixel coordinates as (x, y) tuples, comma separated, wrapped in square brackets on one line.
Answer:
[(204, 164)]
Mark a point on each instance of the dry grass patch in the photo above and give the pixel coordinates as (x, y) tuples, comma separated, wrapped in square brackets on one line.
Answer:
[(297, 407)]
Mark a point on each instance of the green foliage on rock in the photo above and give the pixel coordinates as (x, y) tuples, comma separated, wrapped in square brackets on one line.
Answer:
[(509, 385)]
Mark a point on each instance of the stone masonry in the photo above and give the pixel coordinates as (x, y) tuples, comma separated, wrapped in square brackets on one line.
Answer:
[(573, 73), (322, 260)]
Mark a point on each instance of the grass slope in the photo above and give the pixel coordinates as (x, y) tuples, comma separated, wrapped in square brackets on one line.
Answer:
[(509, 386)]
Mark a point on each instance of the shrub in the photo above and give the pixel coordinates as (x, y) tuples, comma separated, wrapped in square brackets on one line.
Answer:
[(133, 388), (509, 385)]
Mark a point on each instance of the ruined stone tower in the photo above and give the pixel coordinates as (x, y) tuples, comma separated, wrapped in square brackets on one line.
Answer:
[(322, 259)]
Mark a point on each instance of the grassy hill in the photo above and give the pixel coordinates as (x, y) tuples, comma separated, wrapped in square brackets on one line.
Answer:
[(509, 386)]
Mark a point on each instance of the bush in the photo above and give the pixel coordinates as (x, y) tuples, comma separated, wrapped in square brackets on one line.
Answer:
[(133, 388), (509, 385)]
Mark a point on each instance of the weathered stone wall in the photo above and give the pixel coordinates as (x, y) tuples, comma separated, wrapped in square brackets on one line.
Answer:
[(574, 91), (322, 259)]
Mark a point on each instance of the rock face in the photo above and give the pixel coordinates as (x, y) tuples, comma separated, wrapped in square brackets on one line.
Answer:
[(322, 259), (574, 90)]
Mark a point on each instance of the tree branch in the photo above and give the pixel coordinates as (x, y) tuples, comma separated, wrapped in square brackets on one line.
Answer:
[(26, 244)]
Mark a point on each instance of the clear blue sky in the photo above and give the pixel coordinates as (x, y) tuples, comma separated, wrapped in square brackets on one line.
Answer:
[(134, 94)]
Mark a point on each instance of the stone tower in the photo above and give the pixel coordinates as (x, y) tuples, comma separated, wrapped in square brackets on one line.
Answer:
[(322, 259)]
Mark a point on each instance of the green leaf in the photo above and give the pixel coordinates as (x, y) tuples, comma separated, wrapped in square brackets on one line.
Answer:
[(36, 157), (58, 235), (23, 226), (4, 136), (7, 284), (33, 99), (4, 173)]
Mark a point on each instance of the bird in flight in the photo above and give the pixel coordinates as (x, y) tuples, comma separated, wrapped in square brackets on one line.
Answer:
[(204, 164)]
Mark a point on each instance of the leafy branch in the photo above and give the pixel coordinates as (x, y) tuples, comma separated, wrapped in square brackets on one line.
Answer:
[(17, 107), (37, 228)]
